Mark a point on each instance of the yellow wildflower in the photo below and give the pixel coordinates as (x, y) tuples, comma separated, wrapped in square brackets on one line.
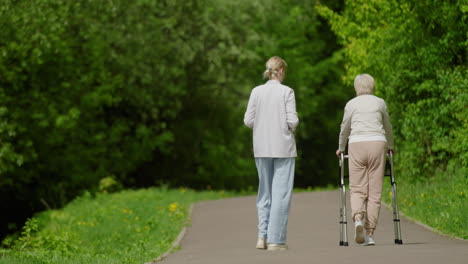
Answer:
[(173, 207), (126, 211)]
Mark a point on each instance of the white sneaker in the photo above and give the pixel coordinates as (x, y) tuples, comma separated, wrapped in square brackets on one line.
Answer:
[(369, 241), (275, 247), (359, 235), (261, 243)]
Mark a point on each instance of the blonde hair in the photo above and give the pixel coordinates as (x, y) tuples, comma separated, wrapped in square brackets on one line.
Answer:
[(273, 65), (364, 84)]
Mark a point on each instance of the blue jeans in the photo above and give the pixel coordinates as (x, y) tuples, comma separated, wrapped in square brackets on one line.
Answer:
[(276, 179)]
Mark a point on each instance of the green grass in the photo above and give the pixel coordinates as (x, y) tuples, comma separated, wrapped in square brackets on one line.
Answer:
[(125, 227), (439, 201)]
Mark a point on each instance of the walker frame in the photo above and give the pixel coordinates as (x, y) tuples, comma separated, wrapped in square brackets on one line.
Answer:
[(343, 211)]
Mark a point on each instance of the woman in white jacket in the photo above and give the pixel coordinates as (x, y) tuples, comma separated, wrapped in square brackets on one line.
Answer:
[(271, 112), (367, 126)]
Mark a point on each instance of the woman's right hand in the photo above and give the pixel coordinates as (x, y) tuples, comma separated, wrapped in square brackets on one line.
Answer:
[(338, 153)]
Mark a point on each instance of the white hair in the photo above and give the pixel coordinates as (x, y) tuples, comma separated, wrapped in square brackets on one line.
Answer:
[(364, 84)]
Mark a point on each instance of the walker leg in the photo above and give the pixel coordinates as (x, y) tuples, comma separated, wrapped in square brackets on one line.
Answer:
[(341, 216), (345, 218), (396, 214)]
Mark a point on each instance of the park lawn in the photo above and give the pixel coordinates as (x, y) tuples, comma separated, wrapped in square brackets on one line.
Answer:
[(439, 201), (132, 226)]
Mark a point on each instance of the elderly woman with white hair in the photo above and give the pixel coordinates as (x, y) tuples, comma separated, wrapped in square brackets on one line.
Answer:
[(366, 124)]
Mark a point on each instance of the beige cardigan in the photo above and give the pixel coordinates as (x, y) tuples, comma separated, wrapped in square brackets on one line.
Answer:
[(271, 112), (365, 119)]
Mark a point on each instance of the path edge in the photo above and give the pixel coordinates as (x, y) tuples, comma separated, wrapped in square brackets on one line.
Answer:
[(177, 241), (412, 220)]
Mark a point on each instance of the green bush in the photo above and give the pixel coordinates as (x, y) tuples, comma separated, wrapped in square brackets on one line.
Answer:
[(416, 50), (109, 185), (143, 90)]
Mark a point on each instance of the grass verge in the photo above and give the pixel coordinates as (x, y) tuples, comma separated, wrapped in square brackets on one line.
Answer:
[(439, 201), (125, 227)]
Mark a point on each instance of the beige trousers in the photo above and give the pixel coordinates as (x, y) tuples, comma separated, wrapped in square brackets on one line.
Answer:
[(366, 173)]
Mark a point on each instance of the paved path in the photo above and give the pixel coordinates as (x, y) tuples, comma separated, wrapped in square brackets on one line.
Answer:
[(224, 232)]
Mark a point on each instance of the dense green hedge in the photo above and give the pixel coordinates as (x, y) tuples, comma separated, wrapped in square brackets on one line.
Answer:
[(153, 92), (92, 89), (417, 52)]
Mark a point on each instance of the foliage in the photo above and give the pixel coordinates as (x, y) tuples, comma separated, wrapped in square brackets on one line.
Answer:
[(151, 93), (83, 89), (417, 51), (109, 185)]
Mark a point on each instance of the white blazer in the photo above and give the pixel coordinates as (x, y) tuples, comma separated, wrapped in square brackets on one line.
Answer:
[(271, 113)]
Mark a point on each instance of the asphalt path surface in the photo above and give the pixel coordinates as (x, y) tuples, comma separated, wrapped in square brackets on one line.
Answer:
[(225, 231)]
